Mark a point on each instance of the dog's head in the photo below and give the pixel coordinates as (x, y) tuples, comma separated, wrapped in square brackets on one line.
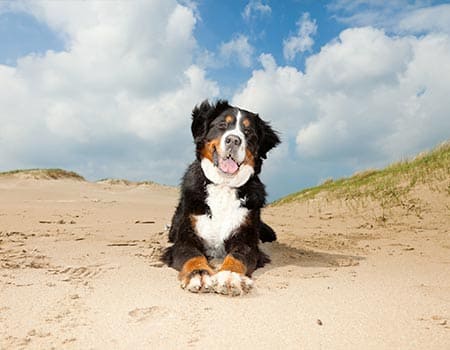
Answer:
[(231, 143)]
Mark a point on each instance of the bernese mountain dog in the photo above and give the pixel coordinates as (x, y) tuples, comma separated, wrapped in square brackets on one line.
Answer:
[(219, 211)]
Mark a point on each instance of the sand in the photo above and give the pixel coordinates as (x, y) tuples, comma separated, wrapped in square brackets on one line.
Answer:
[(79, 269)]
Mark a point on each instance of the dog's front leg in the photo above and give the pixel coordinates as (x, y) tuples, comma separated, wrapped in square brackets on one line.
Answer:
[(231, 278), (195, 275), (194, 270)]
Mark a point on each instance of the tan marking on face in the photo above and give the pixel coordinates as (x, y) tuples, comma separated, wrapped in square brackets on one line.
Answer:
[(229, 119), (193, 221), (246, 122), (209, 148), (249, 158), (232, 264)]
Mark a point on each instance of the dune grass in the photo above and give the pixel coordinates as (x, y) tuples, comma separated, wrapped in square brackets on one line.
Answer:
[(388, 185), (53, 174), (126, 182)]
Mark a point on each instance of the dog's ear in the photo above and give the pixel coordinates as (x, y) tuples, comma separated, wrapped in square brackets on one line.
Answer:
[(202, 116), (199, 117), (268, 137)]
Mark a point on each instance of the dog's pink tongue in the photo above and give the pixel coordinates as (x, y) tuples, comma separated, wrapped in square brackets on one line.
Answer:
[(228, 166)]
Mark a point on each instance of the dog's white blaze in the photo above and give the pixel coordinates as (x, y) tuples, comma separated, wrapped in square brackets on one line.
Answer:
[(227, 216), (236, 132)]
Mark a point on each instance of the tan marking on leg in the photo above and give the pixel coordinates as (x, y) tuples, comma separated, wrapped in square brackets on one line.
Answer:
[(234, 265), (199, 263)]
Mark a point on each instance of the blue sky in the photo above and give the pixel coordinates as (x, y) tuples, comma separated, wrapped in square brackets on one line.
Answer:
[(103, 88), (222, 20)]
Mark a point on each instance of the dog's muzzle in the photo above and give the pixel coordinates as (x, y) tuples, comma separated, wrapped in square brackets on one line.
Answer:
[(227, 162)]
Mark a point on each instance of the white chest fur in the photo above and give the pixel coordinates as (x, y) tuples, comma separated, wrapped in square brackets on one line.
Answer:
[(226, 216)]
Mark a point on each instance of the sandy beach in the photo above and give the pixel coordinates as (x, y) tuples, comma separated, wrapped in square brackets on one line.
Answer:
[(79, 269)]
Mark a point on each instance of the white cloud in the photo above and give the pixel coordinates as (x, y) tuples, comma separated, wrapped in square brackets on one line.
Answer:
[(255, 8), (361, 59), (397, 16), (126, 80), (429, 19), (365, 100), (278, 93), (168, 111), (302, 41), (237, 49), (384, 103)]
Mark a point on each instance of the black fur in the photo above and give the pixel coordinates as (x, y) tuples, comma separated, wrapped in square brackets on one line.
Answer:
[(243, 244)]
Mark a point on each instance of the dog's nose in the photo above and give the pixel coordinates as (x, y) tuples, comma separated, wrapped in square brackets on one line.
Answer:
[(233, 140)]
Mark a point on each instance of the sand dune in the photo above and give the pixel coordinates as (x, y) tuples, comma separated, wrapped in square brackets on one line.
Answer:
[(79, 269)]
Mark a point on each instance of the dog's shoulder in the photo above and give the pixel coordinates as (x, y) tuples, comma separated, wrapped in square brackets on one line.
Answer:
[(193, 191), (193, 179), (253, 193)]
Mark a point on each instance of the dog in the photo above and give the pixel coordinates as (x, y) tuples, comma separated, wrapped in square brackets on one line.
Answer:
[(219, 212)]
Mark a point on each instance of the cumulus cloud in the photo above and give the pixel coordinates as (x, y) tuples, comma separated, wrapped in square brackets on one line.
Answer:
[(278, 94), (235, 52), (256, 8), (361, 59), (302, 41), (386, 98), (237, 49), (365, 99), (125, 83)]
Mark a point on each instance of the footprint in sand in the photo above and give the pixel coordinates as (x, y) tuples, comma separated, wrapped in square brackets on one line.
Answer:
[(20, 258), (153, 254), (440, 320), (148, 313), (437, 320), (80, 273)]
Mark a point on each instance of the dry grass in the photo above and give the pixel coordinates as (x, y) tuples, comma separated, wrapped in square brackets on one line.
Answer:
[(128, 183), (125, 182), (389, 185), (46, 174)]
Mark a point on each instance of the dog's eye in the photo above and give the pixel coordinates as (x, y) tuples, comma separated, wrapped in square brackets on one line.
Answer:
[(222, 125), (246, 131)]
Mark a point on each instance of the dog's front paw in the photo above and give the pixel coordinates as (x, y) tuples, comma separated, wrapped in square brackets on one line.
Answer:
[(198, 282), (231, 283), (195, 276)]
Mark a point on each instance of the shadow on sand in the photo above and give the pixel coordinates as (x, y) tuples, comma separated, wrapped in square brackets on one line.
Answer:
[(282, 254)]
